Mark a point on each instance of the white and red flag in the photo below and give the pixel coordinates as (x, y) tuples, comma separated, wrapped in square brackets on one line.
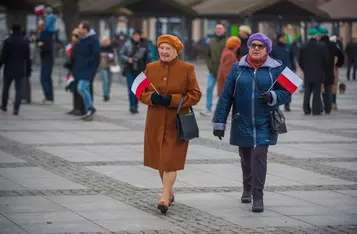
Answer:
[(68, 49), (139, 84), (69, 80), (289, 80), (39, 9)]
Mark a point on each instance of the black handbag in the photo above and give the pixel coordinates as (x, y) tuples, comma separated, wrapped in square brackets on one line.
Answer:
[(186, 124), (277, 122), (277, 118)]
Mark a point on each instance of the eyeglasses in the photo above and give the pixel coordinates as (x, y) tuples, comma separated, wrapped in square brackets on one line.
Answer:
[(75, 35), (260, 46)]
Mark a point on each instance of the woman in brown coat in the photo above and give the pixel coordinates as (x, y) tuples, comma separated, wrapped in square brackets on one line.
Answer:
[(173, 79), (228, 58)]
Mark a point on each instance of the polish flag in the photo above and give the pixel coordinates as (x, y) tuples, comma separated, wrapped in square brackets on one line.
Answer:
[(68, 49), (289, 80), (39, 9), (139, 84), (69, 80)]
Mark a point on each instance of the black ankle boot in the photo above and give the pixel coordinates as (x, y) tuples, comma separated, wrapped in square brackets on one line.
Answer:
[(246, 197), (258, 206), (287, 107)]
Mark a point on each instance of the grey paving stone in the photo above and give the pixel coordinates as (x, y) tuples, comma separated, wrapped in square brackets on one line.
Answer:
[(7, 185), (136, 224), (28, 205), (328, 219), (44, 217), (63, 227), (38, 178), (6, 158)]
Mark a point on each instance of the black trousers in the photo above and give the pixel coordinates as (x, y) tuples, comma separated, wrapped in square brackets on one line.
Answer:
[(78, 100), (26, 95), (327, 98), (254, 167), (352, 64), (315, 90), (18, 90)]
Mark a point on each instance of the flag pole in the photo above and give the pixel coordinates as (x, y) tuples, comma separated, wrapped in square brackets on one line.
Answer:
[(154, 88), (272, 85)]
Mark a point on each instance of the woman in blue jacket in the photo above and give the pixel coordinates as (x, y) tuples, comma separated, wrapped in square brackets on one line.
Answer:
[(247, 89)]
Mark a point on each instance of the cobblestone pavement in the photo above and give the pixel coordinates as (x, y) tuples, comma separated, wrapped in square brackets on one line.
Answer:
[(61, 175)]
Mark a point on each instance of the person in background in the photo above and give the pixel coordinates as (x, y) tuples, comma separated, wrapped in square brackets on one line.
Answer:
[(334, 53), (314, 61), (333, 39), (135, 56), (107, 58), (351, 52), (175, 80), (228, 58), (78, 105), (87, 54), (215, 49), (15, 56), (244, 33), (339, 42), (49, 29), (247, 90), (283, 52), (26, 89)]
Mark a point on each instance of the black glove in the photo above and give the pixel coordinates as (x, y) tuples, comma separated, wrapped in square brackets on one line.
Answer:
[(218, 133), (265, 97), (158, 99)]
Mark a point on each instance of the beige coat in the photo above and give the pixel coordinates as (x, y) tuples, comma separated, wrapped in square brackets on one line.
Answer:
[(162, 149)]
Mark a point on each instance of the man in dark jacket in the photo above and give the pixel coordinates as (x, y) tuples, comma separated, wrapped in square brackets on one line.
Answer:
[(314, 61), (87, 53), (244, 34), (15, 56), (216, 46), (135, 55), (351, 51), (47, 62), (284, 53), (334, 51)]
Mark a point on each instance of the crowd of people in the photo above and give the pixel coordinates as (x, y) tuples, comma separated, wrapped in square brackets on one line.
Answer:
[(244, 67)]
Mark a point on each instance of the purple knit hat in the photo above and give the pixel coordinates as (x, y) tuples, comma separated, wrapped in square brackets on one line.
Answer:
[(261, 37)]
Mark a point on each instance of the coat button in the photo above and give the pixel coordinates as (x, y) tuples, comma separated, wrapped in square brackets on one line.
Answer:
[(165, 78)]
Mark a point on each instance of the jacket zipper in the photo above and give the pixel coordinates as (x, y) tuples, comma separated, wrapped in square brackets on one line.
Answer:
[(253, 109)]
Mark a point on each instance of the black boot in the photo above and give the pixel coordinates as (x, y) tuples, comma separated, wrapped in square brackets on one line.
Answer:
[(287, 107), (106, 98), (246, 197), (258, 206)]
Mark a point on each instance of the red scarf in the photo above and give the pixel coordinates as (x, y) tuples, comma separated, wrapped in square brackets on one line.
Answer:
[(256, 63)]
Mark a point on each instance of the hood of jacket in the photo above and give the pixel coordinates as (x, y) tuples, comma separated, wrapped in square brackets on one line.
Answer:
[(270, 63)]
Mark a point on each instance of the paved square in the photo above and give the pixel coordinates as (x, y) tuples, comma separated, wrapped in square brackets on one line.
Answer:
[(61, 175)]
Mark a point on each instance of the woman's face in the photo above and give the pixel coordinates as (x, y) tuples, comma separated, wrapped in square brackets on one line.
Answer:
[(75, 38), (167, 52), (257, 50)]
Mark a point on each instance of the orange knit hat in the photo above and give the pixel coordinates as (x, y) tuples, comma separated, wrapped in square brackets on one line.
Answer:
[(233, 42), (172, 40)]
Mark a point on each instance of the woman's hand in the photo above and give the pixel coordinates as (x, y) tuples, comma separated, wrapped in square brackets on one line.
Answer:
[(218, 133), (158, 99), (265, 97)]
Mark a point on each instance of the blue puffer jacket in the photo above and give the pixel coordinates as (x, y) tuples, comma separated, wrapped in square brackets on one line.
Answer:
[(87, 53), (250, 118)]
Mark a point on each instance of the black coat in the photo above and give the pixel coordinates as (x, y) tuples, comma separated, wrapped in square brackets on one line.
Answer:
[(314, 61), (351, 50), (15, 56), (243, 49), (334, 51)]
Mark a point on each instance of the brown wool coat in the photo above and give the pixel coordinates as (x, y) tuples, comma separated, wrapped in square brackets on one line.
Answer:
[(228, 58), (162, 149)]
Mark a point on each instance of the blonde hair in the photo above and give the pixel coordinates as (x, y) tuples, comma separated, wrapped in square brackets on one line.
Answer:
[(104, 39)]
